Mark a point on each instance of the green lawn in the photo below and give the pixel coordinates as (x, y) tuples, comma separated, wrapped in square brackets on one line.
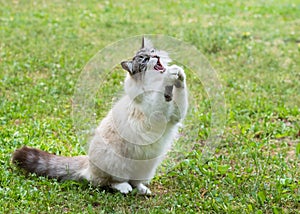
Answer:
[(253, 45)]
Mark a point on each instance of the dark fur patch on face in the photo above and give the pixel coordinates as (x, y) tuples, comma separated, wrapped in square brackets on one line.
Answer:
[(138, 64)]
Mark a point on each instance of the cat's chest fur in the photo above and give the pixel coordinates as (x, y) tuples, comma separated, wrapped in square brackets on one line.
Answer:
[(144, 130), (130, 143)]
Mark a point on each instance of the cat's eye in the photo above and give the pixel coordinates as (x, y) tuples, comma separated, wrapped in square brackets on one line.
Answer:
[(145, 59), (152, 51)]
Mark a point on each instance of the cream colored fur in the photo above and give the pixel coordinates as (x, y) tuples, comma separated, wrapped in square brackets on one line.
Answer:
[(132, 140)]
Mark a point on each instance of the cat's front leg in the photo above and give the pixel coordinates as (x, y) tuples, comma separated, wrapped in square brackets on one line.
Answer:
[(177, 78)]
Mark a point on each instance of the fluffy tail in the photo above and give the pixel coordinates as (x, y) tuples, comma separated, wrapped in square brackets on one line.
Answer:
[(50, 165)]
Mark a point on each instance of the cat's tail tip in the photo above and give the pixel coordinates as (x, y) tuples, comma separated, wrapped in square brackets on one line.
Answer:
[(20, 156), (31, 159), (43, 163)]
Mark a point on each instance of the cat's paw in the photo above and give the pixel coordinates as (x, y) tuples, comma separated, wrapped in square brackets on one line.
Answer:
[(122, 187), (176, 76), (143, 190)]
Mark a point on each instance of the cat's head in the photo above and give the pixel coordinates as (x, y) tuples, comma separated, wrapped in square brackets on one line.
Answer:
[(146, 59)]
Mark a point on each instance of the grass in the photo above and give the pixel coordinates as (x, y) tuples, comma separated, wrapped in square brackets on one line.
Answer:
[(255, 48)]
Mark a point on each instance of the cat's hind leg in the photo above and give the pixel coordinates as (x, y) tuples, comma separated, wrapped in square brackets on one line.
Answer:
[(142, 189), (123, 187)]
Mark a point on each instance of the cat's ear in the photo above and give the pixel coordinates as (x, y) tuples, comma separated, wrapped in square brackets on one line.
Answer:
[(127, 65), (146, 43), (143, 42)]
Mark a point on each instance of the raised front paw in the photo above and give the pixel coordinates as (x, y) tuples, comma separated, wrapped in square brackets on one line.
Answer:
[(176, 76)]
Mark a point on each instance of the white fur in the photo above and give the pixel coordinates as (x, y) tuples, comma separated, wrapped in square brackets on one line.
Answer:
[(122, 187), (133, 138), (143, 190)]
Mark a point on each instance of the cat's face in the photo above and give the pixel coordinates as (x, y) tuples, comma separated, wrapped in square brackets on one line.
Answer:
[(146, 59)]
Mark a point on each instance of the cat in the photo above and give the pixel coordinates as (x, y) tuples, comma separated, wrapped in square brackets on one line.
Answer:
[(132, 140)]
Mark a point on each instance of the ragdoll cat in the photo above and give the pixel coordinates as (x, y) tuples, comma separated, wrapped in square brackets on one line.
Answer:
[(133, 138)]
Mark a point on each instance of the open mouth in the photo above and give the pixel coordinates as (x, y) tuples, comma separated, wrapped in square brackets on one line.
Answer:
[(159, 66)]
